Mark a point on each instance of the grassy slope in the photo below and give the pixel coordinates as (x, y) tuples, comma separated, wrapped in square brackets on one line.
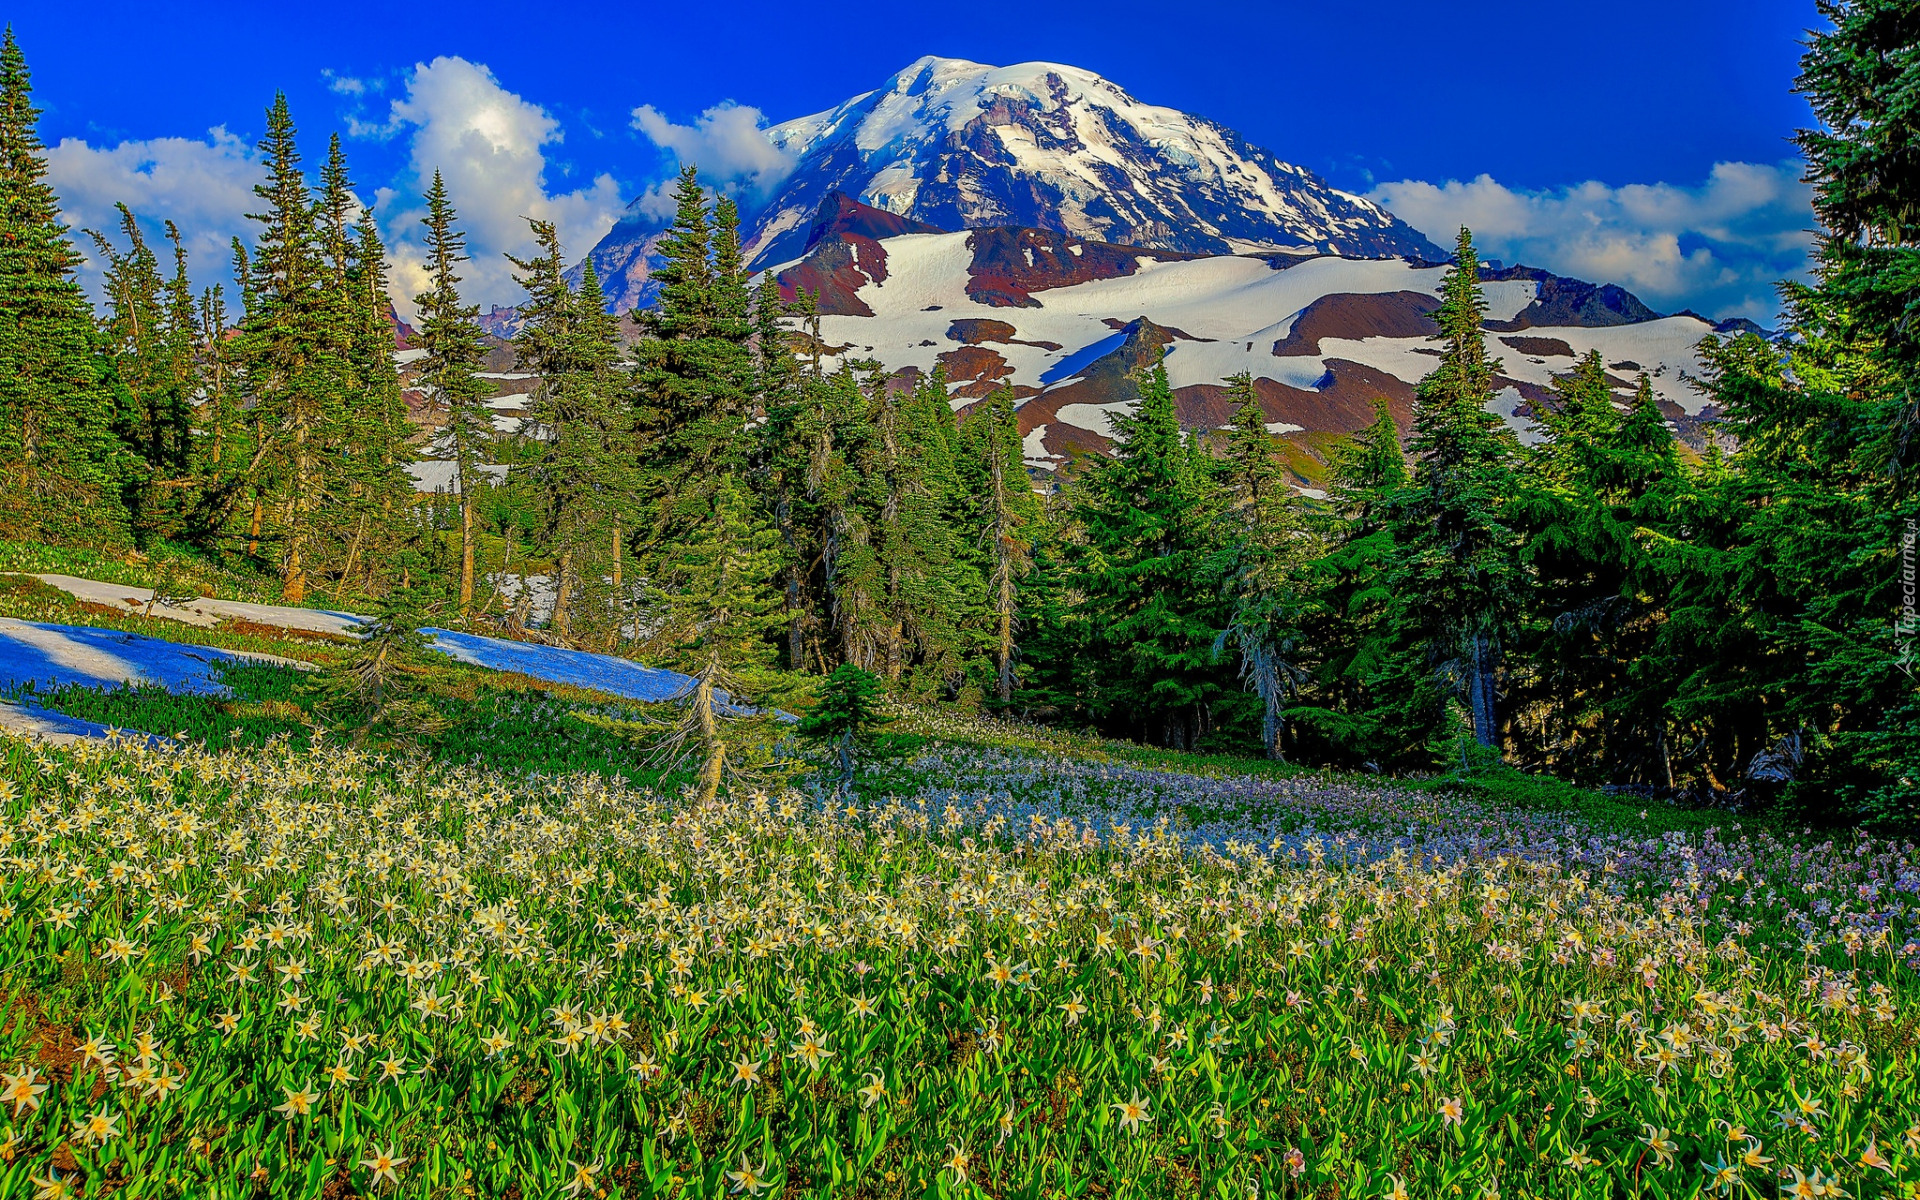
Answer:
[(515, 723)]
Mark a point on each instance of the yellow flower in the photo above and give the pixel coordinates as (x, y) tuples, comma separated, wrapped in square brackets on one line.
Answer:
[(1661, 1144), (582, 1177), (50, 1187), (22, 1091), (748, 1178), (385, 1164), (956, 1162), (1398, 1191), (299, 1103), (97, 1129), (1452, 1111), (1872, 1158), (874, 1092), (745, 1072), (1132, 1110)]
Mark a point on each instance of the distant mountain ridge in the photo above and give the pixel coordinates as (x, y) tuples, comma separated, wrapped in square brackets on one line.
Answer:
[(962, 145), (1065, 322)]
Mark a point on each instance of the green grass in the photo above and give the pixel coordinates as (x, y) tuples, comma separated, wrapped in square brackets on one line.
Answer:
[(501, 722), (161, 563)]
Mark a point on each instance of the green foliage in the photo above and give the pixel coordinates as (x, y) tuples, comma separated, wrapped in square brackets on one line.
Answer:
[(61, 464), (846, 714)]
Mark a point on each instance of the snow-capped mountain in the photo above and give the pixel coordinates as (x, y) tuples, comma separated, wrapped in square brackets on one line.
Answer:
[(962, 145), (1065, 322)]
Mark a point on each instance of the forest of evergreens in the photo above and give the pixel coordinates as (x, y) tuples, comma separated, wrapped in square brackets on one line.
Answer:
[(1604, 607)]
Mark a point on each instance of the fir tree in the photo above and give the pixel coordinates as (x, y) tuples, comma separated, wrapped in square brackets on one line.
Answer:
[(1262, 552), (716, 620), (582, 474), (292, 360), (1004, 514), (1372, 696), (1457, 571), (59, 455), (452, 341), (1147, 513)]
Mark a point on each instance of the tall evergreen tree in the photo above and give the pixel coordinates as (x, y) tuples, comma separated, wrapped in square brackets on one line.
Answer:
[(293, 365), (1148, 514), (1373, 699), (450, 337), (1004, 516), (59, 453), (583, 473), (1457, 568)]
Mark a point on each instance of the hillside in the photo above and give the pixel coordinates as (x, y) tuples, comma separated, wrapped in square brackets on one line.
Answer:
[(1063, 321)]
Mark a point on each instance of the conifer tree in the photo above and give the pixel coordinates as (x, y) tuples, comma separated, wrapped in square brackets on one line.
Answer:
[(582, 474), (716, 620), (376, 429), (450, 337), (1372, 700), (1148, 513), (1262, 552), (911, 463), (292, 360), (1004, 515), (60, 460), (1457, 570)]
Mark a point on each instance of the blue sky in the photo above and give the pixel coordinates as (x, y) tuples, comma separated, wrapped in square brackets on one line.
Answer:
[(1645, 143)]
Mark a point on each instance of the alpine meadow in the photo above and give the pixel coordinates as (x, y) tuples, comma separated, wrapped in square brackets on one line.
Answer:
[(1033, 651)]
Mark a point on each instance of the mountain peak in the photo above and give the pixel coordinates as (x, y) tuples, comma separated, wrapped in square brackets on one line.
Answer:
[(961, 144), (954, 144)]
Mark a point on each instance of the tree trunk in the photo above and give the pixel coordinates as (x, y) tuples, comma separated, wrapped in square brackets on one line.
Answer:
[(562, 594), (1480, 695), (353, 551), (253, 526), (466, 555), (716, 760)]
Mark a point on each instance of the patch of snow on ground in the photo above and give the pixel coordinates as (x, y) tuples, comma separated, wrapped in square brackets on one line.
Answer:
[(1095, 417), (63, 655), (1033, 448), (1505, 405), (1284, 427), (436, 475)]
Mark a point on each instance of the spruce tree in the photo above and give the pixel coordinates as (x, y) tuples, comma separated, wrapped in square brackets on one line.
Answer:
[(1372, 697), (450, 337), (582, 473), (1262, 550), (292, 361), (60, 458), (1004, 516), (376, 429), (716, 621), (1457, 570), (1148, 513)]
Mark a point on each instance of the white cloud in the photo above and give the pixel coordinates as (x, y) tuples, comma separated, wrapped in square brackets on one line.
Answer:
[(1716, 248), (728, 142), (204, 187), (488, 144), (345, 85)]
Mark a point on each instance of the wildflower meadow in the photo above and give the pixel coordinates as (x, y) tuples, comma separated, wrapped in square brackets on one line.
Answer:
[(313, 971)]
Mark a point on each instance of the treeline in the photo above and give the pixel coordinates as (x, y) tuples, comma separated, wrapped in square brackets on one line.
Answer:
[(1602, 605)]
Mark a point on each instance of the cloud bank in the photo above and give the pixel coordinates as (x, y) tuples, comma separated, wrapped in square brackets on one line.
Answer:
[(488, 143), (728, 142), (1716, 248), (204, 187)]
